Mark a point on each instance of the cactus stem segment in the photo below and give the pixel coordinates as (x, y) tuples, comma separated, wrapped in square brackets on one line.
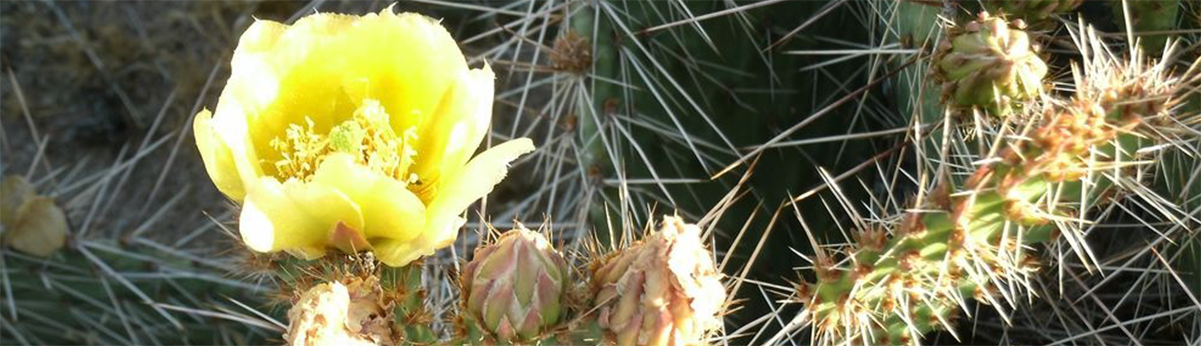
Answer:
[(976, 243)]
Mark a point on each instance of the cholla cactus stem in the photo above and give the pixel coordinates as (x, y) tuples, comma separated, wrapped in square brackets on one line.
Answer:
[(1034, 10), (971, 244)]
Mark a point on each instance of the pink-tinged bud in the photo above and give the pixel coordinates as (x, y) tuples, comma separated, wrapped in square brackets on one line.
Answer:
[(515, 286), (663, 290), (350, 314)]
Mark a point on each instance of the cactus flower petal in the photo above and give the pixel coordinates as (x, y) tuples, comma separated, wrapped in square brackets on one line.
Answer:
[(295, 216), (389, 209), (451, 140), (218, 157)]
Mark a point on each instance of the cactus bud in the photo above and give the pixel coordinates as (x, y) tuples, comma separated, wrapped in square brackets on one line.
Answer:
[(32, 224), (663, 290), (514, 287), (1033, 9), (988, 63), (333, 313), (14, 191)]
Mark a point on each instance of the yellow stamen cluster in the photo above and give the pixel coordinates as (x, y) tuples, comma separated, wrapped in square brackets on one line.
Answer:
[(368, 136), (302, 151)]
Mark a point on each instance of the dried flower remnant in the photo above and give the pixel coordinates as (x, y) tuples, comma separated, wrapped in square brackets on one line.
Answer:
[(335, 313), (663, 290)]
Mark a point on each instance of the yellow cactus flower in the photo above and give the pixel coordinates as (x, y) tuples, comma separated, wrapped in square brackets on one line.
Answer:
[(352, 133)]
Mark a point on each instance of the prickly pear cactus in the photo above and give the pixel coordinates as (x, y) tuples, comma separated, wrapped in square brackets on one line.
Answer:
[(1032, 10), (1148, 21), (976, 238), (373, 175), (354, 179), (63, 287)]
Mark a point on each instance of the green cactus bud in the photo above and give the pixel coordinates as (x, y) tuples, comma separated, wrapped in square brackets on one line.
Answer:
[(988, 63), (1147, 16), (663, 290), (515, 286), (1032, 10), (335, 313)]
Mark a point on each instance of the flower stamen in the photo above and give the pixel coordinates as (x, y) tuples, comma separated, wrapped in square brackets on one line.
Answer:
[(302, 151), (368, 136)]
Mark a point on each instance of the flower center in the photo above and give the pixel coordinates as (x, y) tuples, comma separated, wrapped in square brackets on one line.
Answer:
[(367, 136)]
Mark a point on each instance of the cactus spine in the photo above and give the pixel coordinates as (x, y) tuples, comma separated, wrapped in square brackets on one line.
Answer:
[(916, 280)]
